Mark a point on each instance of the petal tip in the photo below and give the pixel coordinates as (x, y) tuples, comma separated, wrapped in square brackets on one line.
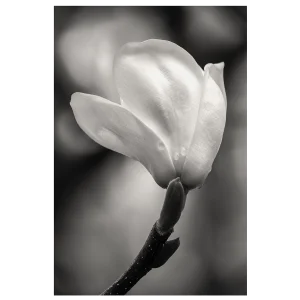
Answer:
[(207, 66), (219, 66), (74, 98)]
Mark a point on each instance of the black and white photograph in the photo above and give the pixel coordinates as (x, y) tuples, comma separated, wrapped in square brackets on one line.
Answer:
[(150, 127)]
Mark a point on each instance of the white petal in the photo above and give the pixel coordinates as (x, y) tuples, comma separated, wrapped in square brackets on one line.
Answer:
[(216, 72), (161, 84), (116, 128), (208, 134)]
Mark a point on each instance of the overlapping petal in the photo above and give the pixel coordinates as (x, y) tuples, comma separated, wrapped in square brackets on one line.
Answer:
[(162, 84), (118, 129), (209, 128), (216, 72)]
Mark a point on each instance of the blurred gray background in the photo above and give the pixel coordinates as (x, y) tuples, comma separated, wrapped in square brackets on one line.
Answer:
[(105, 203)]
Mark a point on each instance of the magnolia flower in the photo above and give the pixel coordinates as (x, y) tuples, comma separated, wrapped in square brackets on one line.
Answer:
[(171, 114)]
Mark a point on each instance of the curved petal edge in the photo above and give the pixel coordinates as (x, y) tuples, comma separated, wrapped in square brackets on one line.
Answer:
[(208, 131), (116, 128)]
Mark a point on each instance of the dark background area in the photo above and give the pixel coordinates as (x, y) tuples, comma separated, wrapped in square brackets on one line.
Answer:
[(106, 203)]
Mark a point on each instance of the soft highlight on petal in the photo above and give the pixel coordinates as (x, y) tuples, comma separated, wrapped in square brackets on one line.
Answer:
[(116, 128), (161, 83), (207, 135)]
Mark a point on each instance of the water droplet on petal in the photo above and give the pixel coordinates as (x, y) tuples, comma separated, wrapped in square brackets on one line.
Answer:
[(100, 132), (183, 151), (176, 156), (160, 145), (105, 133)]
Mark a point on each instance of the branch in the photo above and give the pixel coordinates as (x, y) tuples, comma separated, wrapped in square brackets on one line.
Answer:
[(156, 250)]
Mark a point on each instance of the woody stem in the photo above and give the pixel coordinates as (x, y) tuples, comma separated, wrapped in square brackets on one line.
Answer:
[(157, 249), (141, 265)]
